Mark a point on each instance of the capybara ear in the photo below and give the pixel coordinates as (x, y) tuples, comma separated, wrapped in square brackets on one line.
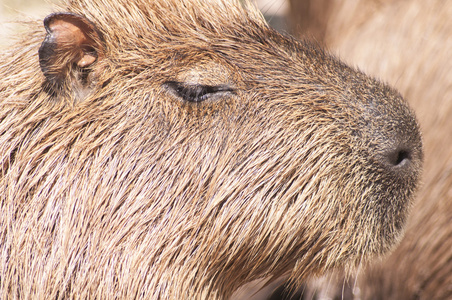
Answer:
[(72, 43)]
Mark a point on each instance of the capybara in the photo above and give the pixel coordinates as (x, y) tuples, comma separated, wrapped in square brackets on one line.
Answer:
[(408, 43), (180, 149)]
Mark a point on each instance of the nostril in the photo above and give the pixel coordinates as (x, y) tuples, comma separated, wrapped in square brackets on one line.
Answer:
[(399, 157)]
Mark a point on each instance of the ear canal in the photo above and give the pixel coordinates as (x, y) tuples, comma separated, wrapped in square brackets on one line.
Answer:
[(71, 40)]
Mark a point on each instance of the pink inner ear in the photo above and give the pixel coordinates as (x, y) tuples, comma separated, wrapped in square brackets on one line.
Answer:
[(73, 37), (86, 60), (67, 33)]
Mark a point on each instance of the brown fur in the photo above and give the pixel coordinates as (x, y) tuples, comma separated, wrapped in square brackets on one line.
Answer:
[(113, 186), (408, 43)]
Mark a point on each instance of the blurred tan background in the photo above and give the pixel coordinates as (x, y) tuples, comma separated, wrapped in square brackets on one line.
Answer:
[(14, 11)]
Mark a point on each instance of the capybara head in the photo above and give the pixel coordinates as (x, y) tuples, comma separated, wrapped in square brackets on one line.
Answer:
[(179, 149)]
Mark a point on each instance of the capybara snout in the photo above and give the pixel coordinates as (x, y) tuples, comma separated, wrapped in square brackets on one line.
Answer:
[(393, 136), (180, 149)]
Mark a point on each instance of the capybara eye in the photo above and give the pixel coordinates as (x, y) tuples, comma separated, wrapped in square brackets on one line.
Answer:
[(197, 92)]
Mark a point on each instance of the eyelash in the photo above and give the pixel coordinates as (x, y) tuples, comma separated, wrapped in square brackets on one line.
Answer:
[(196, 92)]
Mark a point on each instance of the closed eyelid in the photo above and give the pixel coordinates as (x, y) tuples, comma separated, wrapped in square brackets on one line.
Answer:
[(196, 92)]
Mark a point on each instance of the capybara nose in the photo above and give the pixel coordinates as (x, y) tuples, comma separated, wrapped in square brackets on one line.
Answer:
[(401, 153), (399, 157)]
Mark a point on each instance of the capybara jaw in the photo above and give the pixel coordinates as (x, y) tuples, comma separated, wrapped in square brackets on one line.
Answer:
[(179, 149)]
